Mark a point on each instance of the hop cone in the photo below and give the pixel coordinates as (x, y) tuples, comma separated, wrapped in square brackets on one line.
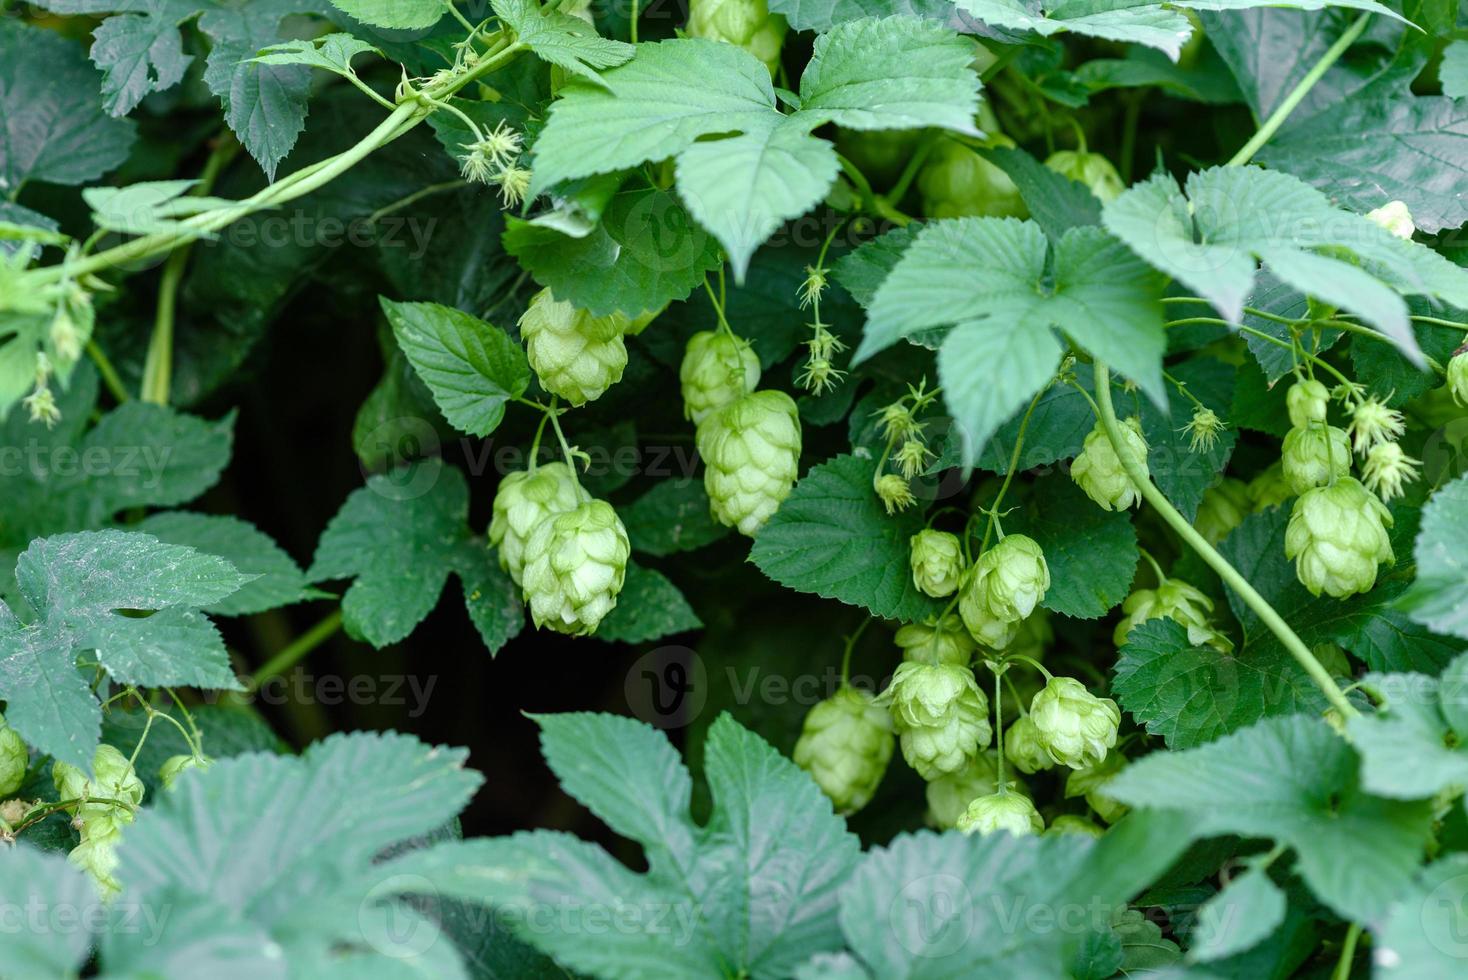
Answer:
[(1001, 811), (1270, 488), (1071, 823), (845, 745), (1091, 169), (1314, 456), (1458, 377), (577, 561), (949, 795), (1023, 748), (1337, 536), (1004, 586), (1075, 727), (176, 765), (941, 716), (1091, 783), (937, 562), (746, 23), (14, 758), (957, 182), (1307, 401), (576, 355), (751, 455), (1099, 472), (100, 824), (1222, 509), (942, 641), (1178, 601), (716, 369), (523, 500)]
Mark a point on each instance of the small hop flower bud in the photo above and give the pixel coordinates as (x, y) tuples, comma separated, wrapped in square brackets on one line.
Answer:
[(717, 369), (1203, 430), (1091, 169), (14, 759), (175, 766), (950, 794), (897, 422), (845, 745), (1458, 376), (514, 184), (746, 23), (1387, 470), (1023, 748), (912, 458), (1314, 456), (1270, 488), (1373, 423), (1395, 218), (938, 641), (1178, 601), (940, 715), (1011, 812), (576, 355), (1099, 472), (1072, 823), (523, 500), (576, 564), (1091, 783), (1307, 401), (894, 492), (1003, 587), (937, 562), (1076, 727), (41, 404), (812, 287), (1222, 509), (751, 455), (1337, 536)]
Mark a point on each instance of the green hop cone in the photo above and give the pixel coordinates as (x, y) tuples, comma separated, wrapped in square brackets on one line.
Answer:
[(879, 154), (575, 355), (1222, 509), (1314, 456), (1023, 748), (1091, 783), (1011, 811), (937, 562), (950, 794), (1458, 376), (1072, 823), (523, 500), (751, 455), (104, 805), (956, 182), (1003, 588), (176, 765), (717, 369), (1091, 169), (97, 856), (1337, 536), (1178, 601), (939, 640), (14, 759), (1307, 401), (1075, 727), (940, 715), (578, 561), (745, 23), (1270, 488), (845, 745), (1099, 472)]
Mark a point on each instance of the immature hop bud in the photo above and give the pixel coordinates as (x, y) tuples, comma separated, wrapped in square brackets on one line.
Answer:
[(104, 805), (576, 355), (1337, 536), (1307, 401), (937, 562), (845, 745), (176, 765), (1372, 423), (523, 500), (1003, 587), (1222, 509), (576, 564), (941, 716), (1072, 823), (937, 641), (1001, 811), (1178, 601), (1203, 430), (1076, 727), (1395, 218), (1022, 747), (1458, 375), (751, 455), (1099, 472), (1314, 456), (1091, 169), (894, 492), (717, 368), (14, 758), (949, 795), (1388, 469), (745, 23)]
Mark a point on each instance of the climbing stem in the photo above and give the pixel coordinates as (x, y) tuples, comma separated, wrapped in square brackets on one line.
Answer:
[(1230, 575), (296, 651), (1019, 443), (1342, 969)]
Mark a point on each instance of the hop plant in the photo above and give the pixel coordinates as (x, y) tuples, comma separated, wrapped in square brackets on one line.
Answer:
[(940, 640), (940, 715), (937, 562), (751, 454), (1203, 430), (1307, 401), (894, 492), (1395, 218), (1001, 811), (1373, 423), (523, 500), (176, 765), (1099, 472), (1458, 375), (1091, 169), (1223, 508), (1023, 748), (1314, 456), (1337, 536), (14, 759), (1091, 784), (102, 806), (845, 745), (1075, 727), (717, 368), (1388, 470), (745, 23), (956, 182), (577, 563), (950, 794), (575, 355), (1003, 587), (1073, 823), (1178, 601)]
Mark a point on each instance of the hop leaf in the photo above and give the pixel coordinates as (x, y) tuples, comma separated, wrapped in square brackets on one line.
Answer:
[(577, 565), (1076, 727), (1098, 470), (845, 745), (1337, 536), (751, 451)]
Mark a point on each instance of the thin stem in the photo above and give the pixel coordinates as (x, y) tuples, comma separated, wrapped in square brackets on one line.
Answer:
[(109, 374), (1230, 575), (718, 305), (1342, 969), (1019, 442), (910, 172), (461, 18), (1298, 350), (632, 27), (554, 415), (851, 645), (414, 198), (1297, 94), (296, 651), (999, 725), (1364, 331)]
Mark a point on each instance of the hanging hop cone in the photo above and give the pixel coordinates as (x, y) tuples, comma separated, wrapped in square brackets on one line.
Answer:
[(1075, 727), (1314, 456), (1001, 811), (716, 370), (941, 641), (940, 715), (845, 745), (575, 355), (1099, 472), (1337, 536), (523, 500), (937, 562), (751, 455), (1022, 747), (576, 565), (1178, 601), (1003, 587)]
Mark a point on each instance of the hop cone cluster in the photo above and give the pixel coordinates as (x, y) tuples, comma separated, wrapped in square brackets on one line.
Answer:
[(100, 823), (1337, 536), (575, 355), (845, 744), (576, 563), (1075, 727), (523, 500), (940, 715), (751, 455)]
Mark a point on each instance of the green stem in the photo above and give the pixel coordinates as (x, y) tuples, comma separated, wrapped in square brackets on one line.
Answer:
[(109, 374), (414, 198), (1364, 331), (1342, 969), (296, 651), (1136, 470), (851, 645), (1297, 94), (632, 26), (999, 727), (1019, 442)]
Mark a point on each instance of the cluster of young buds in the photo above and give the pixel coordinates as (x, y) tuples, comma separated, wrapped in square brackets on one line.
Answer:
[(819, 375), (493, 158), (907, 447)]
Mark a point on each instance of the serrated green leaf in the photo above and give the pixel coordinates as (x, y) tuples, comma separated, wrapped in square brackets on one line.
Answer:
[(1056, 202), (1140, 23), (1410, 723), (673, 516), (863, 270), (562, 39), (279, 581), (832, 537), (649, 607), (1453, 70), (31, 879), (1439, 597), (1422, 934), (403, 15), (1092, 553), (1293, 780), (333, 53), (471, 367), (1237, 918)]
